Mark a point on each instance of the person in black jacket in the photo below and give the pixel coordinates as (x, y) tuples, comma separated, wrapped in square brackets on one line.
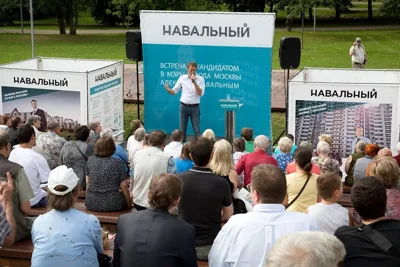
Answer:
[(41, 113), (154, 237)]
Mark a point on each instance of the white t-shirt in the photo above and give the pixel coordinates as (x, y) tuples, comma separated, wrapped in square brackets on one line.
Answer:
[(359, 54), (329, 217), (189, 95), (174, 149), (36, 168)]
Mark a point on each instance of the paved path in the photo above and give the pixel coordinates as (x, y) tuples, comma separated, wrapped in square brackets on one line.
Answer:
[(344, 28)]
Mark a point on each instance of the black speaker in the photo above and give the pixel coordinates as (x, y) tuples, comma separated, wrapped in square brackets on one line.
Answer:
[(134, 45), (290, 52)]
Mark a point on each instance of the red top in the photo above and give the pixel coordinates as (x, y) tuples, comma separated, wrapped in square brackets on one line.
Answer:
[(291, 167), (249, 161), (397, 158)]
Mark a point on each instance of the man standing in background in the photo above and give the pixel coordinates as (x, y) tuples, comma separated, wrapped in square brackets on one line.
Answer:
[(39, 112), (358, 54), (193, 87)]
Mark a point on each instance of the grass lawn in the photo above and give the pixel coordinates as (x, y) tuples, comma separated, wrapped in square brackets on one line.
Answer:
[(321, 49)]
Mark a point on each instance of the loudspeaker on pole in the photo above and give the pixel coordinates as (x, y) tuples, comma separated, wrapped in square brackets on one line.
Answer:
[(290, 52), (134, 45)]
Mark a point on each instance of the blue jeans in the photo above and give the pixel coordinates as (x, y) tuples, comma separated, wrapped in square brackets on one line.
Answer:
[(192, 112)]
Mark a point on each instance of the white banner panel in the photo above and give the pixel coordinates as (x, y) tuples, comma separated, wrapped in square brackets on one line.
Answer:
[(337, 109)]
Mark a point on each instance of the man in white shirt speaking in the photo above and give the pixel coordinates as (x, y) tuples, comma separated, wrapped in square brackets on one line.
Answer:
[(358, 54), (246, 238), (193, 87)]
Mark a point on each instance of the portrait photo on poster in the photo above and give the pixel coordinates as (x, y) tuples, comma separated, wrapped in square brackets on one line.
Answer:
[(61, 106)]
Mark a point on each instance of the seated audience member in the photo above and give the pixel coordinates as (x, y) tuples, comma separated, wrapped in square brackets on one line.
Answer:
[(16, 122), (222, 164), (397, 158), (259, 156), (95, 130), (106, 179), (239, 146), (35, 122), (328, 213), (3, 123), (291, 167), (359, 136), (64, 236), (184, 162), (120, 152), (325, 163), (361, 165), (297, 199), (385, 152), (209, 134), (34, 164), (308, 249), (148, 163), (22, 189), (351, 161), (333, 153), (387, 171), (277, 150), (247, 135), (139, 137), (246, 238), (285, 156), (174, 148), (51, 144), (142, 245), (131, 140), (8, 123), (376, 242), (203, 196), (75, 153), (7, 222)]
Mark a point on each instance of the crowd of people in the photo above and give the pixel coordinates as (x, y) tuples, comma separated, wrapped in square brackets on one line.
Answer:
[(185, 203)]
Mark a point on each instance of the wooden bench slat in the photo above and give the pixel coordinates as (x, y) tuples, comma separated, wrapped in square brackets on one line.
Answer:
[(345, 200)]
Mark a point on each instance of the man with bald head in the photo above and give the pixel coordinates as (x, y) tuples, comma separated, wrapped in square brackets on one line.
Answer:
[(174, 149), (246, 238), (259, 156), (22, 189)]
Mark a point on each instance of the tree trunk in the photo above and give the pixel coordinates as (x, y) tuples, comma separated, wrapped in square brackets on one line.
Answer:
[(73, 18), (310, 14), (370, 10), (271, 6), (337, 14), (60, 14)]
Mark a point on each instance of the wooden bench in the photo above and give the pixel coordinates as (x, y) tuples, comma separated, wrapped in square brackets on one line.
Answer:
[(20, 254), (82, 194), (108, 220), (346, 189), (345, 201)]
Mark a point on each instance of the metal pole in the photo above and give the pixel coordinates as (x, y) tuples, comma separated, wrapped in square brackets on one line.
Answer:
[(137, 88), (32, 32), (22, 17), (315, 17), (287, 101), (302, 30)]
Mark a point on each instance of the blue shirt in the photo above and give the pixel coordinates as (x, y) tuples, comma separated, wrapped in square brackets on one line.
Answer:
[(183, 165), (283, 160), (121, 154), (277, 151), (245, 239), (65, 239)]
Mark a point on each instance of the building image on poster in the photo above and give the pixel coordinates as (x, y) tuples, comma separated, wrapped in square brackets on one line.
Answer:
[(106, 97), (233, 53), (342, 120), (62, 106)]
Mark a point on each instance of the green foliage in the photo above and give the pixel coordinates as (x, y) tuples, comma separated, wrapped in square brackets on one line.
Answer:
[(9, 9), (391, 8), (246, 5)]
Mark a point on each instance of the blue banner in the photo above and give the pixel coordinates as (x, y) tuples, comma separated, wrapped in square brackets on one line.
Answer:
[(233, 68)]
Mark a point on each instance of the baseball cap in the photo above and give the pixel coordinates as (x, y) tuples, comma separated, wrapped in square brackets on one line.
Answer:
[(358, 39), (62, 176)]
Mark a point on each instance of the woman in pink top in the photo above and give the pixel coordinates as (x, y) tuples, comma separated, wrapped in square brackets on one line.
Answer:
[(291, 167)]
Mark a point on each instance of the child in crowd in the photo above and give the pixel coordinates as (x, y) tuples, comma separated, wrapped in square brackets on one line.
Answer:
[(239, 146), (247, 135), (328, 213)]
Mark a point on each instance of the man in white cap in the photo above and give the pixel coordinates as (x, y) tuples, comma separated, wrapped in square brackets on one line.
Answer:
[(358, 54)]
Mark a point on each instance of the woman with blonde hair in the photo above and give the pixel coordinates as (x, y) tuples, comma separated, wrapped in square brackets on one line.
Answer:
[(333, 154), (222, 163)]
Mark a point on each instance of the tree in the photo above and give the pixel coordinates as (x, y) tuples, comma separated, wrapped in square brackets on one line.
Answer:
[(8, 9), (339, 6), (391, 8), (370, 10), (246, 5)]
